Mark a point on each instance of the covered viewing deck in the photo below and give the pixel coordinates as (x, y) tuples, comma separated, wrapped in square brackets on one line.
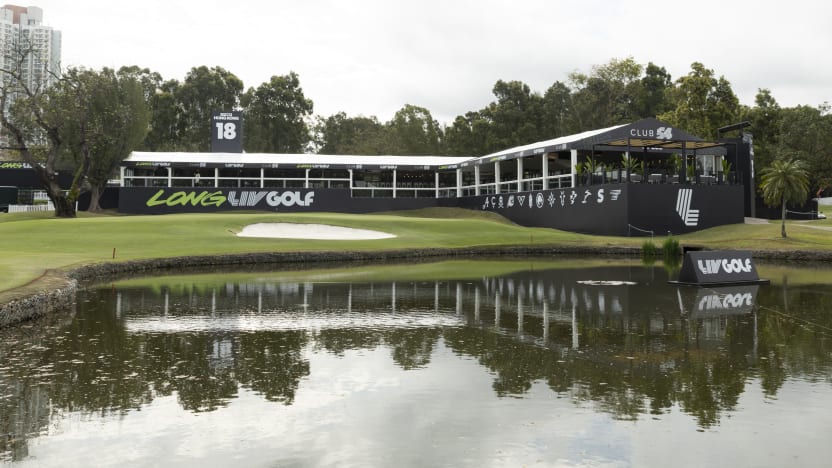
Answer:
[(647, 151)]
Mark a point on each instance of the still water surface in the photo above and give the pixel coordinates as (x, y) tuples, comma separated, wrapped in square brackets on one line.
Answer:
[(459, 363)]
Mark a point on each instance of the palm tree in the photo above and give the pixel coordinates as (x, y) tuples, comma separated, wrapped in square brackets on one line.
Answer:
[(785, 181)]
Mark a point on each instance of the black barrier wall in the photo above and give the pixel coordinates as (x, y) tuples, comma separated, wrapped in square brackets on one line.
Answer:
[(620, 209), (140, 200), (613, 209), (600, 209), (677, 209)]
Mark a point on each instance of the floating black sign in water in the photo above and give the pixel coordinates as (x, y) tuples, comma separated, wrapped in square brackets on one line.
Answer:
[(718, 267)]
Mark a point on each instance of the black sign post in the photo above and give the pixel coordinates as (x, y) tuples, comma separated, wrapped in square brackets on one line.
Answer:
[(227, 132), (718, 267)]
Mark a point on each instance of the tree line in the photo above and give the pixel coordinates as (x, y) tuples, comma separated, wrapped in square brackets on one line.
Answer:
[(92, 119)]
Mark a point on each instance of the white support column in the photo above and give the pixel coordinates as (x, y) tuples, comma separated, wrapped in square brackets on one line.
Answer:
[(477, 190), (627, 166), (121, 176), (262, 177), (216, 177), (574, 163), (436, 184), (459, 183), (306, 179), (170, 176), (394, 183), (352, 181), (544, 169), (497, 177), (519, 174)]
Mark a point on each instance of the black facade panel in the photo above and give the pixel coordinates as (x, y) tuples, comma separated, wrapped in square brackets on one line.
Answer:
[(141, 200), (26, 178), (598, 209), (678, 209), (613, 209)]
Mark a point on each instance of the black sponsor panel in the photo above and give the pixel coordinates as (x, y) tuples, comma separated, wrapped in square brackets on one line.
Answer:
[(107, 201), (21, 175), (227, 132), (610, 209), (714, 267), (597, 209), (146, 200), (678, 209)]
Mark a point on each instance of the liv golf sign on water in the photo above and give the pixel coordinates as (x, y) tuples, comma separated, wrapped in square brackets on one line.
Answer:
[(227, 132)]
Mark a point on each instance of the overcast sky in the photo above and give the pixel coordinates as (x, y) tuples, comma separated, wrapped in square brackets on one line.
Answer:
[(370, 57)]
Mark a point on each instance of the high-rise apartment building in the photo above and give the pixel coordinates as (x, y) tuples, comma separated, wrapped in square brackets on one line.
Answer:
[(22, 29), (26, 43)]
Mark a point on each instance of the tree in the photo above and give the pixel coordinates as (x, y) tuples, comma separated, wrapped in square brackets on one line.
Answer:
[(556, 109), (701, 103), (651, 92), (516, 116), (275, 116), (32, 127), (468, 135), (340, 134), (118, 119), (204, 91), (785, 181), (605, 97), (413, 132), (806, 133), (102, 116), (764, 118), (163, 134)]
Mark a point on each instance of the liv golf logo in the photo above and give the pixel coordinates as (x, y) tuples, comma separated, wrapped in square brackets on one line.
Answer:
[(688, 215)]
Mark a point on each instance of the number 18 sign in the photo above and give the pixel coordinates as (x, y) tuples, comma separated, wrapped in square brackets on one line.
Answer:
[(227, 132)]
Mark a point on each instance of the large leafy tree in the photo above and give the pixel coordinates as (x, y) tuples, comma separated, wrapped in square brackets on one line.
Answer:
[(203, 91), (276, 116), (468, 135), (413, 132), (30, 127), (806, 133), (650, 93), (516, 116), (163, 134), (606, 96), (113, 121), (340, 134), (556, 110), (765, 122), (784, 181), (701, 102)]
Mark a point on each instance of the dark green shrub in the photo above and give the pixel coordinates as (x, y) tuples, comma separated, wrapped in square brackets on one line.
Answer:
[(648, 249), (671, 248)]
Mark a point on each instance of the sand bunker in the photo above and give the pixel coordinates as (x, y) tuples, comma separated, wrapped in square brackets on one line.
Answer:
[(309, 231)]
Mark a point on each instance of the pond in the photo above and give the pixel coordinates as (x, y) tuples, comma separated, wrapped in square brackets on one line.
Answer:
[(458, 363)]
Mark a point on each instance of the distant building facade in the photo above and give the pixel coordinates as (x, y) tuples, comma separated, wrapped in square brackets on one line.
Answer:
[(22, 29)]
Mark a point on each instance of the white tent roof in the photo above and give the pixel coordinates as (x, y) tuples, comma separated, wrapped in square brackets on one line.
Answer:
[(291, 159)]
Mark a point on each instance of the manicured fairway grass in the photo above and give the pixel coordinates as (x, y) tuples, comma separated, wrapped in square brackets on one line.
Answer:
[(34, 243)]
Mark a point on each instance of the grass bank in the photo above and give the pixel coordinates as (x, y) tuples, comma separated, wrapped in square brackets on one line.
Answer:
[(35, 244)]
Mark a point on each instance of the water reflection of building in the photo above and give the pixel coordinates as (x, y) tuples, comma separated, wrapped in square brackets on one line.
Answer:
[(527, 305)]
